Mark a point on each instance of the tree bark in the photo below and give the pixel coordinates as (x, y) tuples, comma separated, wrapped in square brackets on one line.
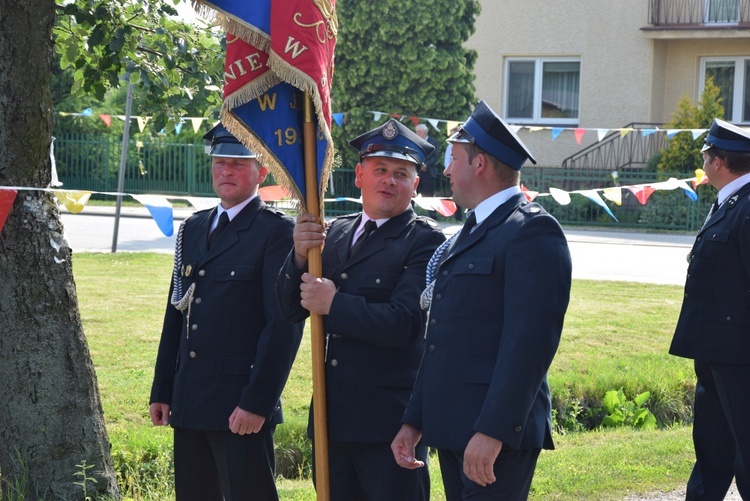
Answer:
[(51, 420)]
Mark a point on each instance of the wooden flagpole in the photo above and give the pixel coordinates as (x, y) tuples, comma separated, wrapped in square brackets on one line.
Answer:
[(315, 267)]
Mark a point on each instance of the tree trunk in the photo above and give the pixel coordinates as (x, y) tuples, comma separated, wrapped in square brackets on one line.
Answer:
[(51, 420)]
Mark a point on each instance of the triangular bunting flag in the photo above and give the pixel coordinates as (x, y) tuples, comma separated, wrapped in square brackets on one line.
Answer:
[(450, 125), (613, 194), (443, 206), (196, 122), (530, 195), (107, 119), (141, 123), (6, 204), (642, 192), (74, 201), (414, 120), (338, 118), (625, 132), (561, 196), (161, 211), (203, 203), (600, 133), (579, 134), (556, 132), (434, 122), (593, 195)]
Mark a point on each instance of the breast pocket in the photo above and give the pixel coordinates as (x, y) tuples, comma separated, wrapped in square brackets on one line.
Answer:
[(232, 281), (474, 279)]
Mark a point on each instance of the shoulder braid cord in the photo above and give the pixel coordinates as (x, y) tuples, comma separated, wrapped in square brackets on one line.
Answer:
[(425, 300), (178, 300)]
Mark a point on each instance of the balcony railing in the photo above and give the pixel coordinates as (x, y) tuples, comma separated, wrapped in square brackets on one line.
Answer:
[(618, 152), (699, 13)]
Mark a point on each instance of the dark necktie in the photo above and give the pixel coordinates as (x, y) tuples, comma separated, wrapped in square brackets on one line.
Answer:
[(471, 221), (370, 226), (223, 222)]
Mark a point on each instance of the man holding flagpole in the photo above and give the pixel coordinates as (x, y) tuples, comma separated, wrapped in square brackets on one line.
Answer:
[(373, 272)]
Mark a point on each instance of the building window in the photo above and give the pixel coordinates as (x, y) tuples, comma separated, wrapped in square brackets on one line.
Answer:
[(542, 90), (732, 76), (722, 11)]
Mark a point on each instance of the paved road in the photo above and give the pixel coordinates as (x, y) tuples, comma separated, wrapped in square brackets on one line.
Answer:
[(598, 255)]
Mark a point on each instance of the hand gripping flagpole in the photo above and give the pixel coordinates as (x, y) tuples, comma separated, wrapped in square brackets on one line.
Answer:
[(315, 267)]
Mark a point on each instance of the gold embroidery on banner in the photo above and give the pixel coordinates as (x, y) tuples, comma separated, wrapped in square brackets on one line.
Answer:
[(329, 24)]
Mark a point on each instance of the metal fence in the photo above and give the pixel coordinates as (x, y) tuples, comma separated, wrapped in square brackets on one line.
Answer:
[(169, 166), (706, 13)]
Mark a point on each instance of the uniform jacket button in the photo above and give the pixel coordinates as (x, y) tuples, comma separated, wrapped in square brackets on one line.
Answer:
[(438, 297), (193, 354), (194, 327), (377, 281), (334, 363), (198, 300), (431, 348), (344, 276), (202, 273), (433, 322), (518, 429), (471, 266)]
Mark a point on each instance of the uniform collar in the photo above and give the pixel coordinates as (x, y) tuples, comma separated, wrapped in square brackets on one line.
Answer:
[(732, 187), (488, 205)]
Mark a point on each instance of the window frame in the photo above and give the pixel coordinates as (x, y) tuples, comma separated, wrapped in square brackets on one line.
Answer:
[(738, 99), (536, 117)]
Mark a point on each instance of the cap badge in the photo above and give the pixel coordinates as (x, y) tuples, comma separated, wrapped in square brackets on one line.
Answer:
[(390, 131)]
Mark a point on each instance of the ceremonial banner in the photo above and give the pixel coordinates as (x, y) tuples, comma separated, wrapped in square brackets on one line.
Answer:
[(276, 51)]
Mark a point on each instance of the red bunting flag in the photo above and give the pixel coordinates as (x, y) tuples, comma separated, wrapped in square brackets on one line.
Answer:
[(642, 192), (7, 197), (107, 119)]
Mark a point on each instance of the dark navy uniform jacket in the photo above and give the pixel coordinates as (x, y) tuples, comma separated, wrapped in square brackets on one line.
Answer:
[(714, 324), (235, 348), (495, 321), (375, 329)]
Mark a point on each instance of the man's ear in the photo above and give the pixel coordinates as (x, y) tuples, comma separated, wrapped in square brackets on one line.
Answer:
[(358, 175)]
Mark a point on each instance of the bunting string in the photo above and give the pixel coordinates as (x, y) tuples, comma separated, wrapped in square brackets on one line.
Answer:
[(160, 208), (578, 133)]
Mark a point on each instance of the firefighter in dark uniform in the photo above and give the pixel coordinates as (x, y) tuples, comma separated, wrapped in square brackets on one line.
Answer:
[(373, 273), (225, 351), (714, 324)]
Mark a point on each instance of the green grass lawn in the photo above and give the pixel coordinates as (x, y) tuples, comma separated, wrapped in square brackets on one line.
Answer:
[(616, 336)]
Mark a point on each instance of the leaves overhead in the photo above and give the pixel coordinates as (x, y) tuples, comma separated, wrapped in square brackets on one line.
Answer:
[(402, 57), (171, 63)]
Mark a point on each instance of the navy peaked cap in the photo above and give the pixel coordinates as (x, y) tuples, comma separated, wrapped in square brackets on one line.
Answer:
[(726, 136), (221, 143), (393, 139), (487, 130)]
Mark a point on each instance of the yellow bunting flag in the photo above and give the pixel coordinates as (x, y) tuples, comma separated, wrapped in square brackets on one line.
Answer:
[(74, 201), (613, 194)]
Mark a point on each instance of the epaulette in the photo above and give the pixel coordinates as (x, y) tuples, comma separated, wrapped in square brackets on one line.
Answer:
[(274, 210), (428, 221), (531, 208)]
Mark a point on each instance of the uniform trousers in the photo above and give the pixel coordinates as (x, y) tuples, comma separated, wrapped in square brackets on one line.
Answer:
[(514, 469), (721, 434), (368, 472), (216, 465)]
